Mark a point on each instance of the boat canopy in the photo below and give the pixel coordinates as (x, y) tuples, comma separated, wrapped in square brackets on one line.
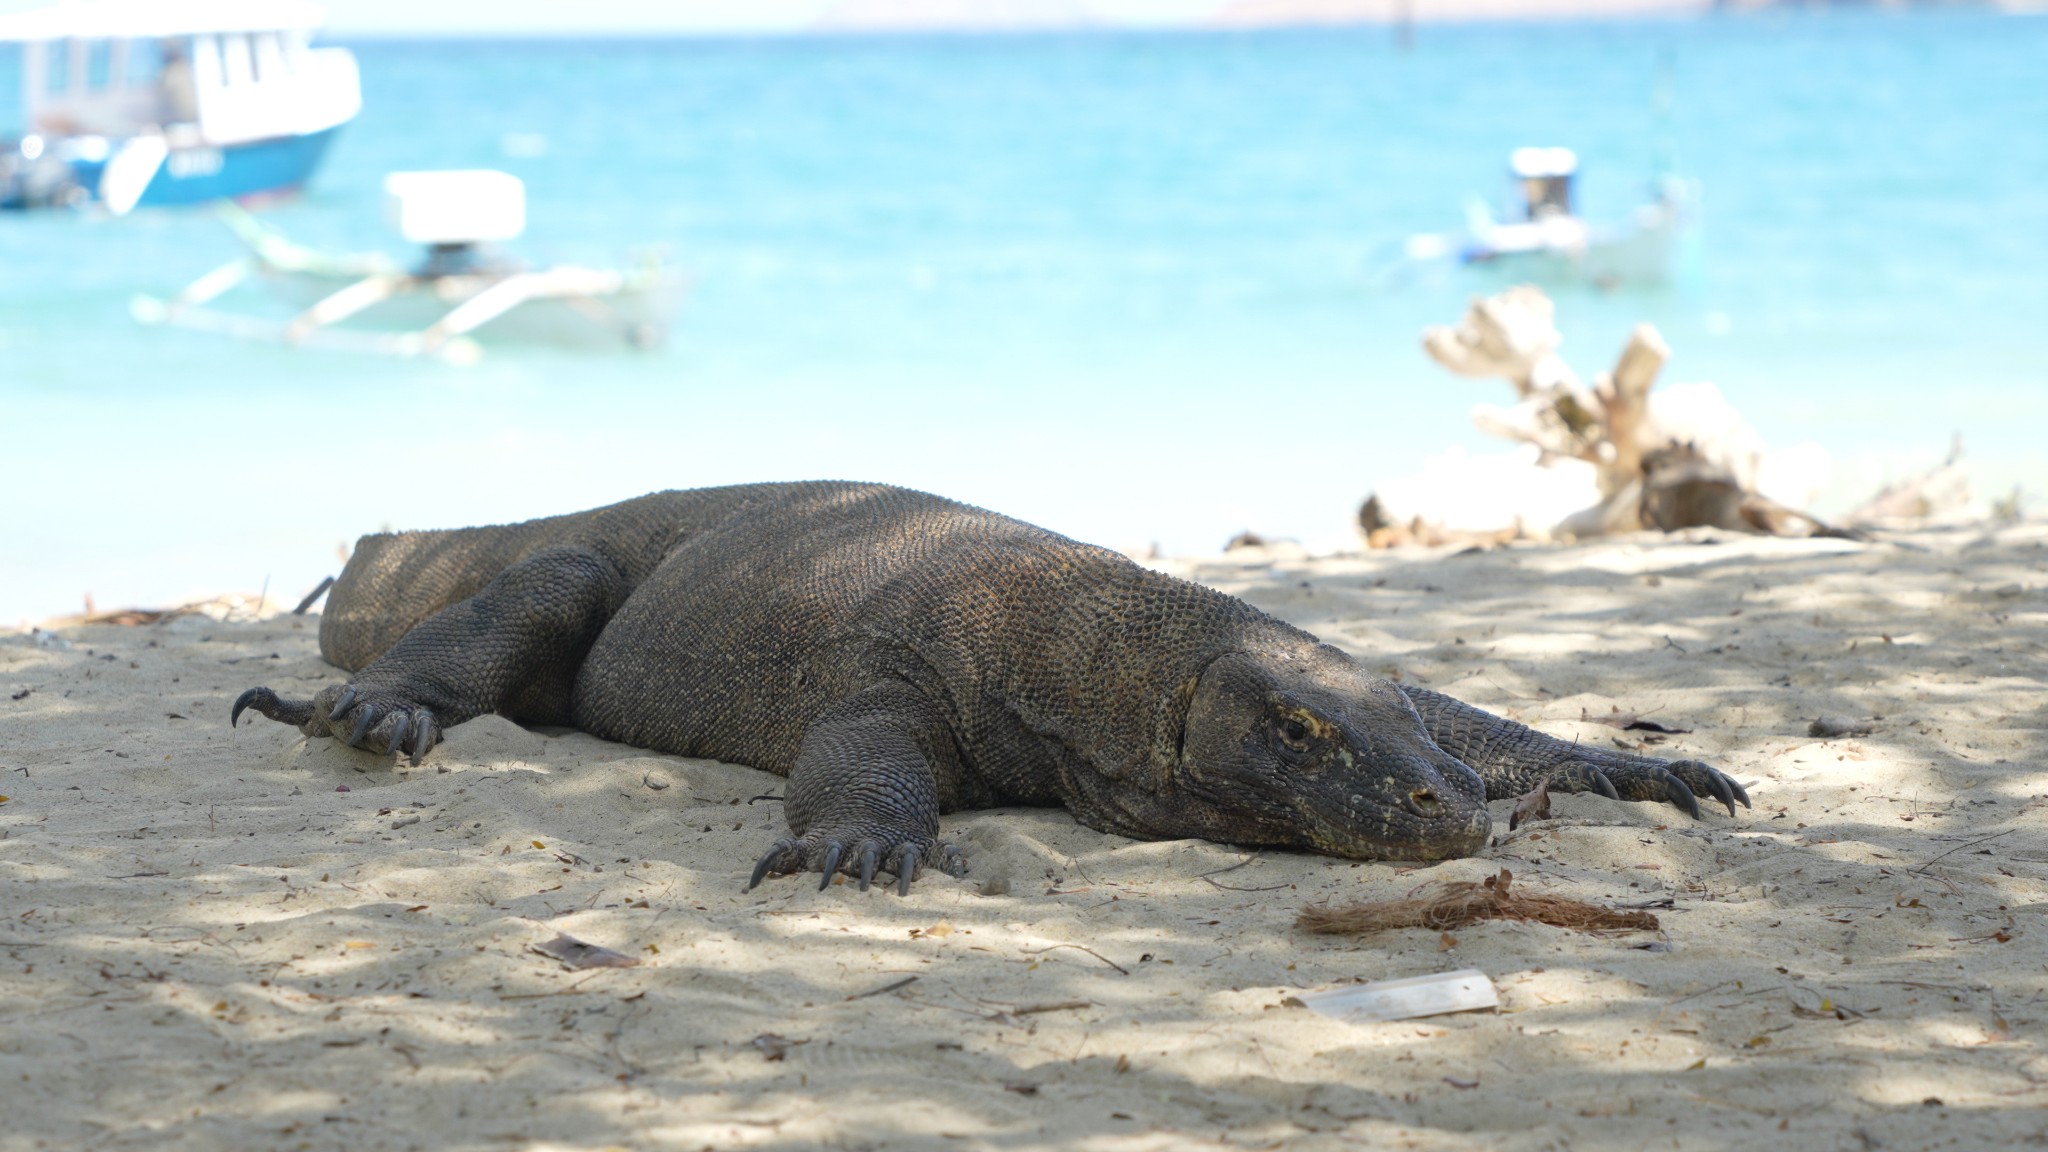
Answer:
[(197, 72), (1540, 162), (1545, 175)]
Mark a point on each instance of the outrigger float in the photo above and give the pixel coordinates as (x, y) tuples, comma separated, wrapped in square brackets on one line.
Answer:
[(462, 288), (139, 103)]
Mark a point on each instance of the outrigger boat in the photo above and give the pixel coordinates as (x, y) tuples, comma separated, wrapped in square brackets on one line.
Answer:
[(1549, 240), (134, 103), (462, 289)]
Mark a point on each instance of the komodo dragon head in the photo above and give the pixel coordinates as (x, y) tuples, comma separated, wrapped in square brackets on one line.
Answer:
[(1302, 748)]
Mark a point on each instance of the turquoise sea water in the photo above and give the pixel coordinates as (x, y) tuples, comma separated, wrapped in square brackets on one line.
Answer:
[(1123, 285)]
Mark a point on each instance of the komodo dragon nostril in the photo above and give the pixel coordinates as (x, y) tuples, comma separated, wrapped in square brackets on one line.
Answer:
[(1423, 802)]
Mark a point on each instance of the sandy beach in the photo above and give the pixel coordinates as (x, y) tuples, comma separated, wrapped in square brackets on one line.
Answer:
[(215, 938)]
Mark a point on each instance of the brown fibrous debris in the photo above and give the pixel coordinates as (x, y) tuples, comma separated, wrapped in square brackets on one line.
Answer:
[(1459, 903)]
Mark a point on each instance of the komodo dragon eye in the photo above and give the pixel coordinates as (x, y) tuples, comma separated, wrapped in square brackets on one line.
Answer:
[(1293, 733)]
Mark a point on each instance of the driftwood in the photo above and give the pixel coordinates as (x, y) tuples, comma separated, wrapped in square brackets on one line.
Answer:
[(1648, 473), (1942, 493), (218, 607), (1380, 531), (1461, 902), (1682, 489)]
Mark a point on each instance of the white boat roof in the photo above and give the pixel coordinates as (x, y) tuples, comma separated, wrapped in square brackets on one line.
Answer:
[(1537, 162), (153, 19)]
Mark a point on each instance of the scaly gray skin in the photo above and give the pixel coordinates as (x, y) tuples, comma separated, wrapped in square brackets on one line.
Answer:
[(898, 656)]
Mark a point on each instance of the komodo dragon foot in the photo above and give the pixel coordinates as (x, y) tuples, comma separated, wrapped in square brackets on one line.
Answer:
[(369, 718), (864, 795), (1513, 758), (858, 856), (1618, 776)]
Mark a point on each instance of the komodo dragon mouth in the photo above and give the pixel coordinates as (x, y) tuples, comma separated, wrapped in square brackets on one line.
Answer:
[(898, 655)]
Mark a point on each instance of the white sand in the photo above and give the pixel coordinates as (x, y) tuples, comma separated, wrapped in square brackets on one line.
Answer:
[(205, 943)]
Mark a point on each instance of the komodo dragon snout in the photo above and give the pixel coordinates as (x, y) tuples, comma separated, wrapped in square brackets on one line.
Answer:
[(1323, 756)]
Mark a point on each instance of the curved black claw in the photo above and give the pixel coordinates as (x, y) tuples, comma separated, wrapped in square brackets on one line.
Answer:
[(425, 735), (341, 703), (364, 719), (1580, 776), (248, 698), (773, 861), (906, 867), (1681, 795), (831, 866), (395, 741), (263, 700), (1724, 790), (870, 858)]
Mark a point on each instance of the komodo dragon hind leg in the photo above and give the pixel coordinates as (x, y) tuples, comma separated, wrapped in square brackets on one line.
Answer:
[(1513, 758), (864, 794), (514, 647)]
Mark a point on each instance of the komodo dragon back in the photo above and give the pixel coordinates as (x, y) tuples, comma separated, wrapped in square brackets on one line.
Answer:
[(899, 656)]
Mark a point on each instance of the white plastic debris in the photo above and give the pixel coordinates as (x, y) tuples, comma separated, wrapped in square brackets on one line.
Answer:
[(1459, 991)]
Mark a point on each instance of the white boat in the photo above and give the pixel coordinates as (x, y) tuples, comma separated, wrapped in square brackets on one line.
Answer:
[(134, 103), (1547, 240), (460, 291)]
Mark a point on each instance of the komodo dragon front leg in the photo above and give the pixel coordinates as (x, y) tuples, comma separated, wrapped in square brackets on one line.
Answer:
[(1513, 758), (512, 648), (871, 777)]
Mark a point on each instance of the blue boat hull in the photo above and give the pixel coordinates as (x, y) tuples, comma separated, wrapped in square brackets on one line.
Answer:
[(200, 175)]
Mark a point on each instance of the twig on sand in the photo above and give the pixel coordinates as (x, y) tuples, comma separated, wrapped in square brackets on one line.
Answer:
[(1034, 1009), (1084, 948), (1940, 987), (571, 990), (1057, 1006), (890, 987), (1232, 868), (1204, 878), (1241, 888), (1960, 847)]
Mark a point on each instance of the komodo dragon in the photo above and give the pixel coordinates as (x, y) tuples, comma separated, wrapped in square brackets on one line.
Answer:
[(898, 656)]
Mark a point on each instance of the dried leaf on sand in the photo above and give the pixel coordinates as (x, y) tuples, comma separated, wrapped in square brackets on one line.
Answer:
[(1531, 805), (1459, 903), (577, 954)]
